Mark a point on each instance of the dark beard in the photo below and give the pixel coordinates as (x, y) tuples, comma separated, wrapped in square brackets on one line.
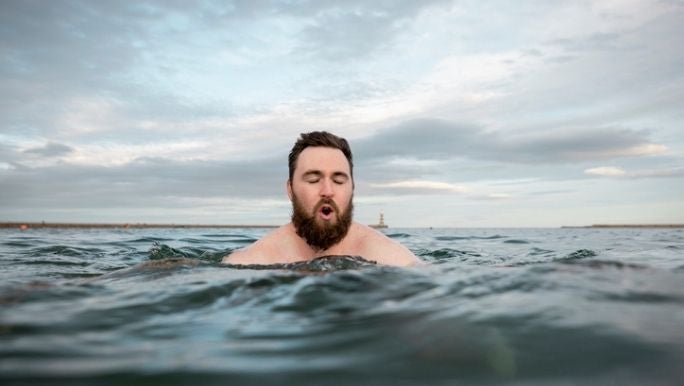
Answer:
[(321, 236)]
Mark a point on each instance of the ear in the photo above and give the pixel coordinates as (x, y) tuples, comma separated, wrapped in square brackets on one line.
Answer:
[(288, 186)]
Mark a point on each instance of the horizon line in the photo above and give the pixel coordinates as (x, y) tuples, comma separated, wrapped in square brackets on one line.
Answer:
[(125, 225)]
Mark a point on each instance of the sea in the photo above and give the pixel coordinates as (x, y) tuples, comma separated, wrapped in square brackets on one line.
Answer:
[(566, 306)]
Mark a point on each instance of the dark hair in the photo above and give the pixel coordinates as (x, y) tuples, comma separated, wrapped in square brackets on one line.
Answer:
[(319, 138)]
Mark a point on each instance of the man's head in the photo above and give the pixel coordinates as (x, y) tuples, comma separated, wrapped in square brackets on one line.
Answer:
[(321, 188), (321, 139)]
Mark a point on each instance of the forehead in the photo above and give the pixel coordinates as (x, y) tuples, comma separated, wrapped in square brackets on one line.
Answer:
[(326, 159)]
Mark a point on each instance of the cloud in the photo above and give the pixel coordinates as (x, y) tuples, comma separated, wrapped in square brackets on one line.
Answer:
[(606, 171), (421, 139), (421, 186), (594, 42), (427, 187), (51, 149), (579, 144), (616, 172), (358, 29), (116, 105), (441, 139), (142, 182)]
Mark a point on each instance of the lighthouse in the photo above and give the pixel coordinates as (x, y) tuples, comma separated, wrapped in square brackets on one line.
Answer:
[(381, 224)]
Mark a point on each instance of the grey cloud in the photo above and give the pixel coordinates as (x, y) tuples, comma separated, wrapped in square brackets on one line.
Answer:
[(449, 152), (566, 145), (12, 156), (595, 42), (51, 149), (459, 149), (7, 152), (59, 52), (141, 183), (56, 51), (443, 140), (663, 173), (422, 139), (60, 41)]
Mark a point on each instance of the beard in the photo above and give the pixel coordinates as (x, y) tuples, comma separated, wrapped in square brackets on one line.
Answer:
[(321, 236)]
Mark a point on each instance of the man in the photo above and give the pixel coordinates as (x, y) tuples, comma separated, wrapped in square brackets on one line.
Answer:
[(321, 188)]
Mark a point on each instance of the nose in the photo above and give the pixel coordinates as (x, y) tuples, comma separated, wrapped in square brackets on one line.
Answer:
[(326, 189)]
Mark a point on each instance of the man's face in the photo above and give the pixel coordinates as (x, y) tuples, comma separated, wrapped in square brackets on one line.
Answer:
[(321, 192)]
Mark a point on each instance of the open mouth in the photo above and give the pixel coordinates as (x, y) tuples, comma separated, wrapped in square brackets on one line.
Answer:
[(327, 212)]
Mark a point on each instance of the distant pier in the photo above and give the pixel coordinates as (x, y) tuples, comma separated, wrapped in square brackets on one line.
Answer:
[(628, 226), (33, 225)]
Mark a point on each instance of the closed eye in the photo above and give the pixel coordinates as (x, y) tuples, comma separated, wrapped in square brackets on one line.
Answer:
[(340, 178), (312, 176)]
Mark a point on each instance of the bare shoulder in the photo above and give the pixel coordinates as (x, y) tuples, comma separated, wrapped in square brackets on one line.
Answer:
[(377, 246), (262, 251)]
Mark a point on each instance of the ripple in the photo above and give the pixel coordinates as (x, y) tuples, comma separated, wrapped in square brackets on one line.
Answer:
[(64, 250), (641, 297), (19, 244), (398, 235), (516, 241), (163, 251), (448, 253), (608, 264), (149, 240), (452, 238), (540, 251), (579, 254), (57, 262), (457, 238)]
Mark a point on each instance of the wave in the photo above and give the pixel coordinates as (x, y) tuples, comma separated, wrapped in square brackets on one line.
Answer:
[(457, 238), (320, 264), (516, 241), (162, 251), (559, 310)]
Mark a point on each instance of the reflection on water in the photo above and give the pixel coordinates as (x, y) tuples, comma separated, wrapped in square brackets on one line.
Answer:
[(516, 306)]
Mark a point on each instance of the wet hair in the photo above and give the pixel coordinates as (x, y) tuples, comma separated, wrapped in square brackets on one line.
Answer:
[(323, 139)]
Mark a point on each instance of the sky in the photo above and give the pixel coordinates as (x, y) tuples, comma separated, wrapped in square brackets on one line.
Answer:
[(526, 113)]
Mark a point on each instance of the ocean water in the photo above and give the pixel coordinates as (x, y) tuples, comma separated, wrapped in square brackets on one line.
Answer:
[(489, 307)]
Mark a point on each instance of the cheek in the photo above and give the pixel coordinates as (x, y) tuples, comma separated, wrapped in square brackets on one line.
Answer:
[(345, 198), (306, 197)]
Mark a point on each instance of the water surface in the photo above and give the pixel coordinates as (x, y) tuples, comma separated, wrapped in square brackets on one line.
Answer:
[(491, 306)]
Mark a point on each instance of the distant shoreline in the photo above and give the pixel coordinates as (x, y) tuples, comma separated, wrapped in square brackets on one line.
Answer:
[(63, 225), (628, 226), (29, 225)]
